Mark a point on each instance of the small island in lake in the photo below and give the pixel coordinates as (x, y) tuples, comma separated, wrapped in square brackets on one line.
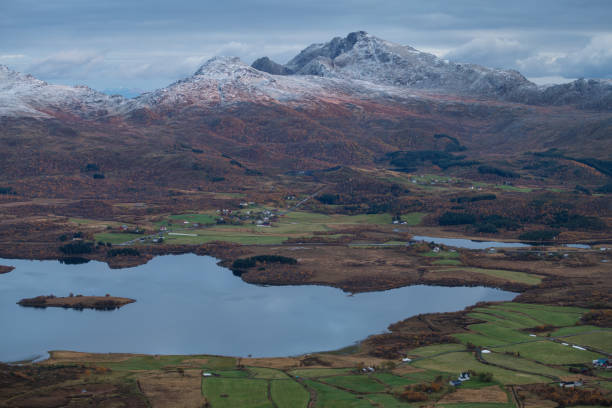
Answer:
[(77, 302), (6, 269)]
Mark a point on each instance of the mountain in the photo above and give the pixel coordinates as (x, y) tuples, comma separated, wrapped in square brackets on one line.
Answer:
[(366, 57), (265, 64), (359, 67), (362, 56), (24, 95), (350, 101), (588, 94)]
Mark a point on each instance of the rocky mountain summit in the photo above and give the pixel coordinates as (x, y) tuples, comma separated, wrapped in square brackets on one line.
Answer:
[(365, 57), (265, 64), (225, 81)]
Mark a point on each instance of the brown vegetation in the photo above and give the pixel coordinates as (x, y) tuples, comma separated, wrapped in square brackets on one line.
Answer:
[(45, 386), (492, 394), (601, 318), (181, 388), (565, 397), (77, 302), (5, 269)]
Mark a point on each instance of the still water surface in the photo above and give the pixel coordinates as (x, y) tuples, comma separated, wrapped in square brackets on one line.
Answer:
[(471, 244), (468, 243), (186, 304)]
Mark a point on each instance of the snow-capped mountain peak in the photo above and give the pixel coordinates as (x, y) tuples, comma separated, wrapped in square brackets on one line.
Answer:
[(25, 95), (357, 67), (226, 68), (363, 56)]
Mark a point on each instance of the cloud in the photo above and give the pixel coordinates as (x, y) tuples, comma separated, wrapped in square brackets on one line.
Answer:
[(594, 60), (68, 64), (4, 57), (490, 51), (149, 43)]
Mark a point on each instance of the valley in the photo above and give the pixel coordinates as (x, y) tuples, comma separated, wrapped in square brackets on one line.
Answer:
[(424, 218)]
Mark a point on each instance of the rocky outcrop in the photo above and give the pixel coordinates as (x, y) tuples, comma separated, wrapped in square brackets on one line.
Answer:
[(265, 64)]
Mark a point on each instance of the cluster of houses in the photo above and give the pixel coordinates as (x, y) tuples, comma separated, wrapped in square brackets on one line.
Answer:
[(425, 181), (570, 384), (464, 376), (259, 218), (602, 363), (134, 230)]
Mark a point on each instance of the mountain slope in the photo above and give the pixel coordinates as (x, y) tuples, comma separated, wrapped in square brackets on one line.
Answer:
[(370, 97), (362, 56), (24, 95)]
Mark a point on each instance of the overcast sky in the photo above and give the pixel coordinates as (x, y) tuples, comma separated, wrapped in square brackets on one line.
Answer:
[(108, 44)]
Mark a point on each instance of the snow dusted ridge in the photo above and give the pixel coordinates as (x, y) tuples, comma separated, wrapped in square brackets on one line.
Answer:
[(24, 95), (357, 67), (227, 80), (363, 56), (220, 82)]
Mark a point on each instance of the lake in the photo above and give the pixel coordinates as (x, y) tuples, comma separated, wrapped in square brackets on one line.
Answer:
[(468, 243), (472, 244), (187, 304)]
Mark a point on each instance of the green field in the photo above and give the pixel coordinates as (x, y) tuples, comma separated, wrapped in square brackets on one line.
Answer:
[(294, 224), (553, 315), (513, 276), (267, 373), (328, 396), (500, 333), (360, 383), (507, 331), (442, 254), (573, 330), (447, 262), (515, 189), (478, 340), (414, 218), (236, 392), (601, 340), (192, 218), (548, 352), (509, 318), (233, 373), (288, 394), (522, 364), (210, 236), (393, 380), (429, 351), (455, 363), (509, 323), (319, 372), (387, 401)]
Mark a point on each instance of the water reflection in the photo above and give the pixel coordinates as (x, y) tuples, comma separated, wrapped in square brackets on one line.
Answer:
[(187, 304)]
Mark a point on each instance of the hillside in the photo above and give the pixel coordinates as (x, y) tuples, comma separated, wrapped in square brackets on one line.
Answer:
[(351, 101)]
